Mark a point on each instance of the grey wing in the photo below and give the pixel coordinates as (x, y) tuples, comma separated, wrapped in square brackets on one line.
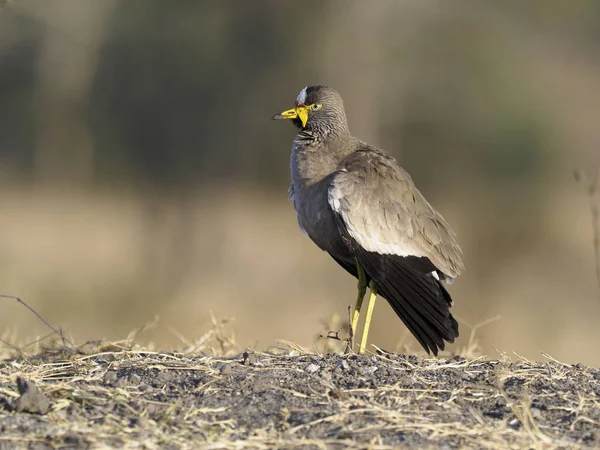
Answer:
[(398, 239), (385, 213)]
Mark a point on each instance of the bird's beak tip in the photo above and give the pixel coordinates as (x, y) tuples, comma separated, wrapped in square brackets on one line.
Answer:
[(288, 114)]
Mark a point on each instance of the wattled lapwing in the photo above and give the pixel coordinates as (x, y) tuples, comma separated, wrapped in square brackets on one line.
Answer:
[(357, 204)]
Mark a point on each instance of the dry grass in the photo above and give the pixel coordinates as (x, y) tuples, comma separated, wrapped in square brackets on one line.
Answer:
[(207, 394)]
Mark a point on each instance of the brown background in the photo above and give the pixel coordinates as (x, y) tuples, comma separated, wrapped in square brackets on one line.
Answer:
[(140, 174)]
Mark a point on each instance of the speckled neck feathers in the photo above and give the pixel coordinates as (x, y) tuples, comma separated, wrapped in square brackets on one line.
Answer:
[(313, 159), (326, 140)]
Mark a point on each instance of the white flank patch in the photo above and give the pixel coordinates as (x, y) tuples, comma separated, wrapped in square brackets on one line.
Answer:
[(334, 200), (435, 275), (302, 96)]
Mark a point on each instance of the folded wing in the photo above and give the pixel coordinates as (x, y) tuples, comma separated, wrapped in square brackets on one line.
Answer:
[(403, 244)]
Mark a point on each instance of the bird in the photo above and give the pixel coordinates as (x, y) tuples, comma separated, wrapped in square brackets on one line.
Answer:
[(360, 206)]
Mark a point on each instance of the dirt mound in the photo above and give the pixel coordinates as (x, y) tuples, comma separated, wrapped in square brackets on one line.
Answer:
[(133, 399)]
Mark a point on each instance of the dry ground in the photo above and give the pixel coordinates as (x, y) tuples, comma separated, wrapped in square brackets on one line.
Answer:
[(107, 395)]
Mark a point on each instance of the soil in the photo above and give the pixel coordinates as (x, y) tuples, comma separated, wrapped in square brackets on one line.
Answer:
[(143, 399)]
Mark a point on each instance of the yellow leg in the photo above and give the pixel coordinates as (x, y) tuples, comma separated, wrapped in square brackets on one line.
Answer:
[(370, 308), (362, 289)]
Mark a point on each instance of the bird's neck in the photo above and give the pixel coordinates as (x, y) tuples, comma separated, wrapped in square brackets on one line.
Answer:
[(313, 158)]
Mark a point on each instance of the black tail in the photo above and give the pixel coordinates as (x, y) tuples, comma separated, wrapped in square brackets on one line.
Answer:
[(419, 299)]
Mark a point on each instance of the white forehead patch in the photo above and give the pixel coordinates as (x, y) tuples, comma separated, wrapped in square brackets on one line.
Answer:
[(302, 96)]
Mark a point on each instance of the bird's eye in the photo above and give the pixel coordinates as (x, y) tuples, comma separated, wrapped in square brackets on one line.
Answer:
[(316, 106)]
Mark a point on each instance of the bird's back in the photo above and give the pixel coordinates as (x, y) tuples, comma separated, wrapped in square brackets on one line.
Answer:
[(386, 213)]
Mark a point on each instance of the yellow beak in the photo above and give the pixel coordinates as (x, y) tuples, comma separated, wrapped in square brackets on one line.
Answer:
[(299, 112)]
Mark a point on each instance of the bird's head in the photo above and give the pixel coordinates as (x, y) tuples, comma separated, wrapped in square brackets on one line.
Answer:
[(317, 109)]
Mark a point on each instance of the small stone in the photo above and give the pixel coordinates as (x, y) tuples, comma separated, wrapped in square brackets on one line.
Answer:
[(226, 369), (156, 412), (107, 358), (135, 379), (251, 359), (344, 365), (261, 384), (110, 377), (312, 368), (32, 400), (164, 377), (370, 370), (326, 375), (536, 413)]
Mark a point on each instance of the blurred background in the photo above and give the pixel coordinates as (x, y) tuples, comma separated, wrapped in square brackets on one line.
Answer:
[(140, 175)]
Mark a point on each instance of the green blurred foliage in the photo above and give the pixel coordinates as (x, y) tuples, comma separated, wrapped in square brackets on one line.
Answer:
[(179, 85)]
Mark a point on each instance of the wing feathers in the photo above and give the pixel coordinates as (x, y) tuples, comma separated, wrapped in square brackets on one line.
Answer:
[(419, 300), (385, 213), (399, 240)]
